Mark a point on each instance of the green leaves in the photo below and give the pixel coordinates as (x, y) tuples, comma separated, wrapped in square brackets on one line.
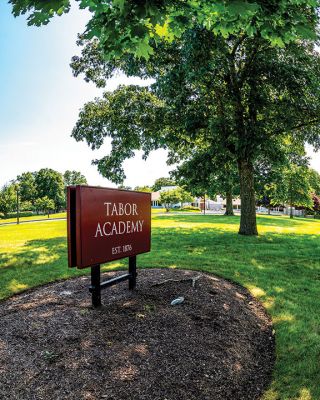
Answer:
[(143, 49), (168, 198), (123, 26), (120, 4), (129, 116), (243, 9), (39, 12), (292, 188)]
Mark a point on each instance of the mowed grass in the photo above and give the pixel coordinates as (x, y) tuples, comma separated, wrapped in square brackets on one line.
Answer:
[(56, 215), (34, 218), (281, 267)]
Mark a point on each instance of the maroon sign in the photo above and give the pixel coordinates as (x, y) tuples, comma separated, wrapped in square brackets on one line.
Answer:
[(106, 225)]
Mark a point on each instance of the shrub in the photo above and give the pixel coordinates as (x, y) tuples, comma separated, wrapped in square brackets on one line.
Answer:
[(14, 214)]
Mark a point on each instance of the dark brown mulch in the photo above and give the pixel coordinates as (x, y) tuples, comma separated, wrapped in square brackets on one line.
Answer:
[(217, 345)]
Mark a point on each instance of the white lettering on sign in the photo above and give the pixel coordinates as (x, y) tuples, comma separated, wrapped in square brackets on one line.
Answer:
[(108, 228), (118, 228), (121, 209), (121, 249)]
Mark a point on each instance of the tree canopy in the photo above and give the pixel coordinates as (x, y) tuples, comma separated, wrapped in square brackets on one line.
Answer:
[(163, 181), (137, 27), (8, 198), (44, 204), (27, 186), (74, 178), (39, 188), (50, 183), (293, 188)]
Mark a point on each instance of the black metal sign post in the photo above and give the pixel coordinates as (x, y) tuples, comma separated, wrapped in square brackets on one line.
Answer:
[(96, 286), (132, 272)]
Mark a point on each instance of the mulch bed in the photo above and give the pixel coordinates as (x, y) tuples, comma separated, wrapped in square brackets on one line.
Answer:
[(217, 345)]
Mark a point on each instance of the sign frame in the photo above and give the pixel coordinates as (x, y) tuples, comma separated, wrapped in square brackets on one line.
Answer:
[(82, 252)]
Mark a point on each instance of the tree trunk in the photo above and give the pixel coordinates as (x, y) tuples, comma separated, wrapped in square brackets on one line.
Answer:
[(248, 222), (291, 198), (229, 206)]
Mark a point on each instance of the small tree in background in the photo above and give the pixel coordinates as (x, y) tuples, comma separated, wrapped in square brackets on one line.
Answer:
[(123, 187), (314, 179), (146, 189), (74, 178), (8, 199), (27, 187), (160, 182), (169, 198), (44, 204), (293, 189), (205, 173)]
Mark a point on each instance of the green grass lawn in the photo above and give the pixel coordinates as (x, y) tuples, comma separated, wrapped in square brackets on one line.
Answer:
[(58, 215), (34, 217), (281, 267)]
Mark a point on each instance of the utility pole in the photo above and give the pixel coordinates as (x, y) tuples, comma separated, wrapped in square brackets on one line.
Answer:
[(18, 211), (291, 197)]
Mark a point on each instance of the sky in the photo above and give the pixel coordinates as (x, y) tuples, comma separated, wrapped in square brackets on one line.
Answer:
[(40, 101)]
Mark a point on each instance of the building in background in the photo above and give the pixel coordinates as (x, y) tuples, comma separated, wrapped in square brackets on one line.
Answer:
[(217, 204)]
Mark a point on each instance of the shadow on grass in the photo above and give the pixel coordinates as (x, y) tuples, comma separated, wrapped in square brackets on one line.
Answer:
[(37, 263), (282, 270)]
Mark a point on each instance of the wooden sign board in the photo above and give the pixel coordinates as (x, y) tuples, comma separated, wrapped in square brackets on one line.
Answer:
[(106, 224)]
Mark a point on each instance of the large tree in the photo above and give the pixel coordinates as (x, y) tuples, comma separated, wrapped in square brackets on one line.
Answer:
[(235, 74), (239, 96)]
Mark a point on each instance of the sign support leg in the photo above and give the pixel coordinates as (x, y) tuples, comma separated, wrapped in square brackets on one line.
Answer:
[(95, 286), (132, 272)]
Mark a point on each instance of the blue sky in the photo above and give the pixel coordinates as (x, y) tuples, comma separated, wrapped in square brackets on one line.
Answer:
[(40, 101)]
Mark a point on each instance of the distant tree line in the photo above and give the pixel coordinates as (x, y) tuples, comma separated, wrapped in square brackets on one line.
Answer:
[(291, 184), (40, 191)]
